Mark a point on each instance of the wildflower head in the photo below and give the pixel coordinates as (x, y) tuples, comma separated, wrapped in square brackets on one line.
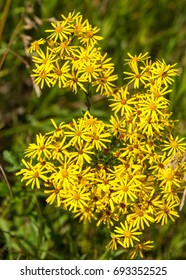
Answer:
[(126, 174)]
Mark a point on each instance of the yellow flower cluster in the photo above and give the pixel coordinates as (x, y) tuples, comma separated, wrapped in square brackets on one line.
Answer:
[(71, 57), (127, 174)]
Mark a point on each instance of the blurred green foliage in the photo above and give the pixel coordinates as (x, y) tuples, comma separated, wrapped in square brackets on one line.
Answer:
[(30, 229)]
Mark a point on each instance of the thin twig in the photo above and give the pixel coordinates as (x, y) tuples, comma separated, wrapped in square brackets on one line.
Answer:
[(10, 43), (4, 16), (4, 175), (183, 200)]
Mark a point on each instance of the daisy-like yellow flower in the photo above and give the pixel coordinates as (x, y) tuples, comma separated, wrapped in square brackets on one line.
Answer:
[(44, 60), (117, 125), (59, 149), (105, 83), (59, 130), (39, 149), (35, 46), (169, 178), (112, 245), (82, 153), (140, 218), (166, 211), (149, 127), (164, 73), (159, 163), (54, 195), (105, 63), (79, 26), (71, 16), (61, 30), (78, 132), (42, 76), (75, 81), (157, 90), (139, 248), (64, 49), (125, 190), (174, 145), (135, 76), (89, 71), (86, 54), (127, 234), (121, 102), (61, 74), (153, 107), (32, 174), (85, 214), (136, 58), (66, 173), (75, 197), (89, 37), (99, 137), (108, 217), (90, 121)]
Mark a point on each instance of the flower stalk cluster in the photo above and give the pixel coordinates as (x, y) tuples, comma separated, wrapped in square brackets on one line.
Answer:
[(127, 174)]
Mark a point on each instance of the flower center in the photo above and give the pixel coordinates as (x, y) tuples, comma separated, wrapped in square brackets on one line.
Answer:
[(127, 234), (174, 144), (59, 72), (43, 74), (170, 176), (76, 196), (59, 29), (123, 101), (152, 106), (125, 188), (90, 69), (36, 174), (64, 173)]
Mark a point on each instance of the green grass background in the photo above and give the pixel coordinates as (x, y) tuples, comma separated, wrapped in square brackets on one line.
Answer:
[(30, 229)]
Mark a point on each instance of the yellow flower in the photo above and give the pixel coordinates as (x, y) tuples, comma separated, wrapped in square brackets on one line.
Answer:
[(174, 145), (89, 36), (112, 245), (128, 232), (42, 76), (59, 149), (75, 198), (98, 137), (71, 16), (41, 148), (153, 107), (136, 76), (54, 195), (61, 74), (35, 46), (169, 178), (78, 132), (32, 174), (65, 173), (166, 211), (139, 248), (140, 218), (125, 191), (89, 71), (61, 30), (104, 82), (75, 81), (136, 58), (163, 73), (82, 153), (121, 102), (44, 61)]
